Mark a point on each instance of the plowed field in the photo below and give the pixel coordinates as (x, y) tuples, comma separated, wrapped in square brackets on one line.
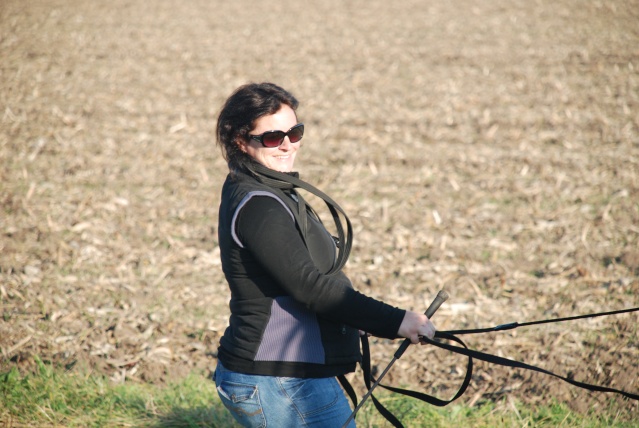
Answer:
[(489, 148)]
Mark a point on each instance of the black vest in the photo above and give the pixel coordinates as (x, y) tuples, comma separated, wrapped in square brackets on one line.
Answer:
[(261, 313)]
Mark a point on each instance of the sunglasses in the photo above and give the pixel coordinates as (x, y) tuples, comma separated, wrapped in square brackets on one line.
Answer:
[(275, 138)]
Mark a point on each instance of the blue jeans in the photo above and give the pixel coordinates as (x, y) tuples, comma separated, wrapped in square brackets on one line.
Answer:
[(281, 402)]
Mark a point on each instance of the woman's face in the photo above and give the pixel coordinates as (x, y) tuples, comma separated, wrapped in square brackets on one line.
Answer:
[(279, 158)]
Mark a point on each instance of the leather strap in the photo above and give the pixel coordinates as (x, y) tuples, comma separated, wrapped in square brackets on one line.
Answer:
[(281, 180)]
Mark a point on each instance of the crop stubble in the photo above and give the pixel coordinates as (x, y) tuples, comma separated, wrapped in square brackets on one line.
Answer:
[(489, 148)]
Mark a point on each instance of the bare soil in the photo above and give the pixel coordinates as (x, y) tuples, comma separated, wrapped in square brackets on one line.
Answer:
[(488, 148)]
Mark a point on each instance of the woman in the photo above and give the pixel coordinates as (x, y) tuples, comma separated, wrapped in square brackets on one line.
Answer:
[(295, 317)]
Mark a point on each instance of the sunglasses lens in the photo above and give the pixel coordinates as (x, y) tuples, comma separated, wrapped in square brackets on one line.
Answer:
[(296, 133), (273, 139)]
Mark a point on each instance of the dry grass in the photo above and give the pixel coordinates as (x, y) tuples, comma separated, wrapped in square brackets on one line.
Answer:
[(488, 148)]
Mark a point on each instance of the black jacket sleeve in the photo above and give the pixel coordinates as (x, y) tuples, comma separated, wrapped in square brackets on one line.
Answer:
[(268, 231)]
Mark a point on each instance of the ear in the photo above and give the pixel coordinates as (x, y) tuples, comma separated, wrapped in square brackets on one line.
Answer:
[(241, 144)]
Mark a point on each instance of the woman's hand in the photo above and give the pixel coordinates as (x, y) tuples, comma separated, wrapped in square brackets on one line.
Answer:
[(414, 325)]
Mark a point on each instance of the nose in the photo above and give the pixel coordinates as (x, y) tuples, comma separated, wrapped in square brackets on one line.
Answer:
[(286, 144)]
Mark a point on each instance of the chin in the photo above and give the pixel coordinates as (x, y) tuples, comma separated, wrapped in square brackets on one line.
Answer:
[(282, 168)]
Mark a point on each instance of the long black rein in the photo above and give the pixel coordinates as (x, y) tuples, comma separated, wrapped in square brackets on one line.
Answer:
[(280, 180), (512, 325), (449, 335)]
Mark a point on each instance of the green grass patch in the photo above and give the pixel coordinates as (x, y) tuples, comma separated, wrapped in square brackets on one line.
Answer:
[(504, 413), (53, 397)]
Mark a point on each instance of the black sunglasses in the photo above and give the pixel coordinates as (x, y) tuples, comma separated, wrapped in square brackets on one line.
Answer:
[(275, 138)]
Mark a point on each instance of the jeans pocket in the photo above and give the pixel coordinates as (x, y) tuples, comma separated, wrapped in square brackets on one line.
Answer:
[(243, 401), (311, 396)]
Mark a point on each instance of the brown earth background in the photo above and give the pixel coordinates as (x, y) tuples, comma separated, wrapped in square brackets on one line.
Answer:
[(490, 148)]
